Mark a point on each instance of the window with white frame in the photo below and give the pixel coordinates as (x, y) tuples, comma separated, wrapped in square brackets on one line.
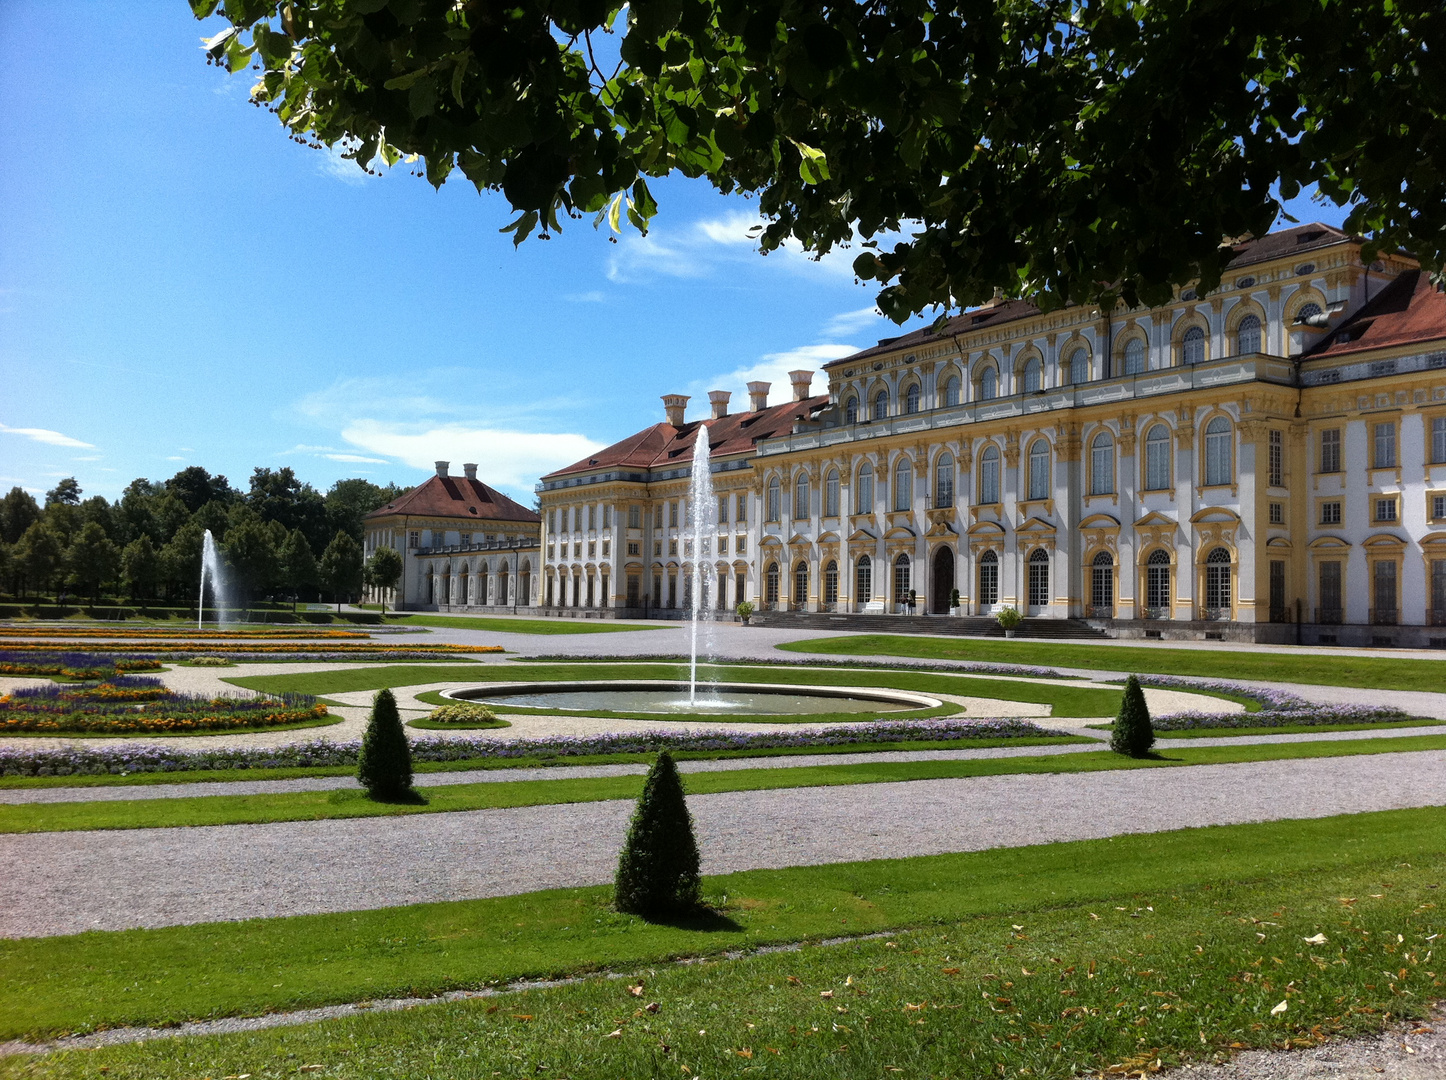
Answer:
[(830, 494), (1330, 450), (1385, 510), (1192, 346), (1438, 440), (988, 384), (635, 517), (864, 490), (1039, 469), (944, 481), (1218, 457), (1277, 458), (851, 410), (1157, 458), (903, 483), (1033, 376), (1157, 580), (1217, 580), (773, 508), (1078, 365), (911, 399), (1384, 456), (723, 509), (741, 517), (1330, 513), (801, 497), (951, 390), (881, 405), (1438, 507), (1277, 513), (1134, 356), (1247, 335), (1038, 578), (864, 579), (1102, 464), (989, 475), (988, 579)]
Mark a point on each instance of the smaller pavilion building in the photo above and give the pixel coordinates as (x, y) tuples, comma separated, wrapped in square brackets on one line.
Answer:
[(465, 546)]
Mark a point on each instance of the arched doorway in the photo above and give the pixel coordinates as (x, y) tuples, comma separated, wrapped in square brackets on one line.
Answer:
[(901, 583), (1038, 581), (942, 580)]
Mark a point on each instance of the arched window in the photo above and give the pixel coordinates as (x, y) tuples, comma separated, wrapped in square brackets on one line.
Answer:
[(851, 411), (944, 481), (863, 580), (801, 493), (1157, 584), (1306, 313), (1192, 346), (864, 490), (830, 585), (1157, 458), (903, 483), (901, 579), (772, 506), (1102, 464), (1217, 583), (989, 475), (911, 399), (1247, 335), (1078, 366), (1038, 578), (800, 584), (1039, 469), (988, 579), (881, 405), (830, 494), (770, 585), (951, 390), (1217, 452), (1102, 585), (1134, 356), (988, 384), (1033, 376)]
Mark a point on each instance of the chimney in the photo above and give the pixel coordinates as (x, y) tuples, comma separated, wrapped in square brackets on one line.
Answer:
[(442, 468), (758, 396), (470, 470), (801, 380), (719, 400), (674, 405)]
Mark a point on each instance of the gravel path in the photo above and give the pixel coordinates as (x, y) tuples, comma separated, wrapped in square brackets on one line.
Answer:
[(123, 792), (60, 883)]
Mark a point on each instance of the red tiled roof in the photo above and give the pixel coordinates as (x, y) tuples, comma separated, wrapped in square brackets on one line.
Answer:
[(1408, 310), (664, 445), (457, 497), (1276, 245)]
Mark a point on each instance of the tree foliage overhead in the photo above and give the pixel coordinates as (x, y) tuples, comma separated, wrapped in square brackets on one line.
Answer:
[(1072, 149)]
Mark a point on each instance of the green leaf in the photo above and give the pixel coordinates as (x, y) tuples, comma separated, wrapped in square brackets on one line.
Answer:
[(459, 70), (522, 228), (812, 163)]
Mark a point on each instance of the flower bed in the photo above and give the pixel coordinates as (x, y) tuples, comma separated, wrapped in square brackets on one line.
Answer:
[(52, 631), (137, 705), (248, 648), (151, 759), (1278, 708), (74, 665), (939, 667)]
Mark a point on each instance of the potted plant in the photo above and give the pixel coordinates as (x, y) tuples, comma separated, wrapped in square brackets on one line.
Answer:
[(1008, 619), (953, 601), (745, 611)]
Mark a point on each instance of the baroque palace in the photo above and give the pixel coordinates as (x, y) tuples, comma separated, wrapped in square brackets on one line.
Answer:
[(1265, 462)]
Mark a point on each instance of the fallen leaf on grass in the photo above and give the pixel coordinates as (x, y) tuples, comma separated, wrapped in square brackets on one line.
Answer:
[(636, 991), (746, 1052), (652, 1006), (1279, 1008), (618, 1034), (515, 1016), (1319, 939)]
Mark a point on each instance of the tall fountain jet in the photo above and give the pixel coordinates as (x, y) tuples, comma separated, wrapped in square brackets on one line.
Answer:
[(210, 567), (704, 509)]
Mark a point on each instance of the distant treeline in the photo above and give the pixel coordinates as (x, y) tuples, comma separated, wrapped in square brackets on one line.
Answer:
[(281, 537)]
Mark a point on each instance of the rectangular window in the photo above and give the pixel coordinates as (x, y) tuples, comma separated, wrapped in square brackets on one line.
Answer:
[(1330, 513), (1384, 582), (722, 509), (722, 545), (1277, 590), (1330, 450), (587, 518), (414, 539), (1438, 441), (635, 548), (741, 518), (657, 549), (1385, 510), (607, 516), (741, 547), (607, 548), (1438, 507), (1277, 458), (672, 513), (1277, 513), (1330, 592), (1438, 592), (672, 547), (635, 517), (1385, 446)]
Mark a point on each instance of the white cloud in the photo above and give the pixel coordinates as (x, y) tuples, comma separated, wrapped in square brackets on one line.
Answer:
[(773, 368), (45, 435), (357, 459), (506, 458), (331, 163), (594, 297), (87, 457), (707, 246), (174, 458), (851, 322)]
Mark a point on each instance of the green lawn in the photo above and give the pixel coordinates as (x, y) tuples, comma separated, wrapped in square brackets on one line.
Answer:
[(1373, 673), (351, 803), (1064, 701), (508, 625), (1062, 958)]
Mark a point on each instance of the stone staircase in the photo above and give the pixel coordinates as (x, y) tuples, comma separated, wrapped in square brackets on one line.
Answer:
[(977, 626)]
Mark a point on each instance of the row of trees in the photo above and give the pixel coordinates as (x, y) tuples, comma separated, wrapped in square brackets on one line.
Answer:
[(148, 543)]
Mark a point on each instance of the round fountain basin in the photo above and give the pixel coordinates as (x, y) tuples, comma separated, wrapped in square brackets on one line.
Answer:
[(713, 699)]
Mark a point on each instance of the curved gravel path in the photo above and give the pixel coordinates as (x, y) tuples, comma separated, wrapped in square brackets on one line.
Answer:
[(61, 883)]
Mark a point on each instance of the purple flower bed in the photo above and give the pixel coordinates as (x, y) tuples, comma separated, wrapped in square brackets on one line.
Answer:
[(148, 759), (1278, 708), (76, 665)]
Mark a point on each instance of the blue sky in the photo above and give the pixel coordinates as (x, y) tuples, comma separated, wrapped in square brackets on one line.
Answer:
[(180, 284)]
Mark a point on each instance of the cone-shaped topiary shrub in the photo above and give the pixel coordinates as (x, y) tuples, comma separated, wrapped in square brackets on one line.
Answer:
[(658, 869), (1133, 734), (384, 765)]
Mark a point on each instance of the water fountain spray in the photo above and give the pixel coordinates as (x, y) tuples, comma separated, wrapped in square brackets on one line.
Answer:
[(704, 508), (210, 567)]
